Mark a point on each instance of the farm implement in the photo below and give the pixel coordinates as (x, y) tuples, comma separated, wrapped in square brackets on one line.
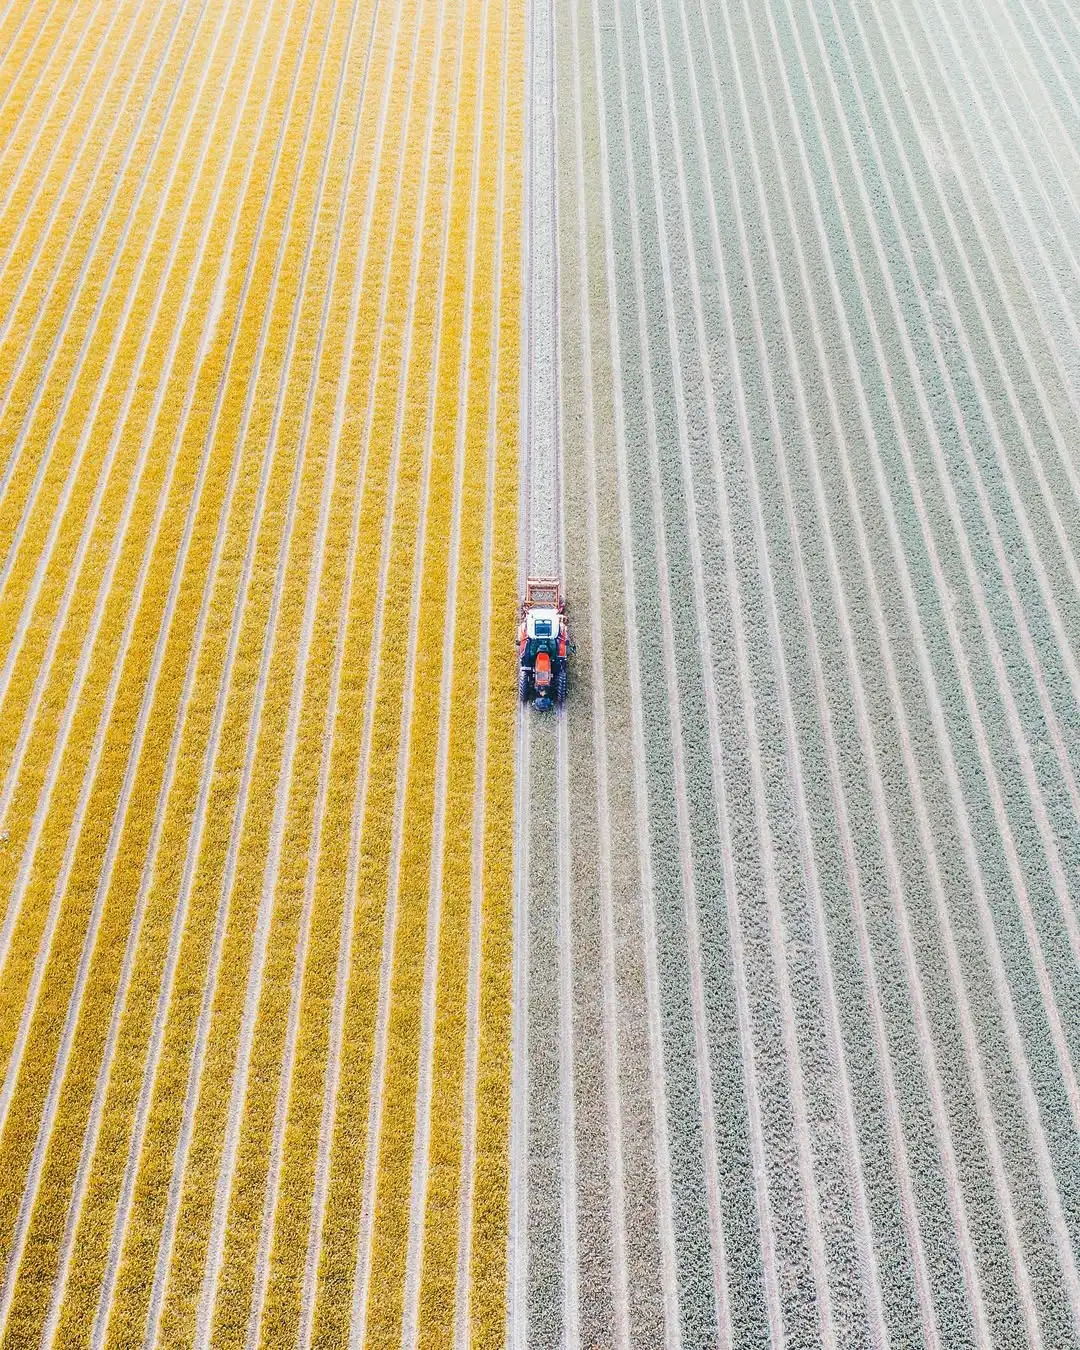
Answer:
[(544, 644)]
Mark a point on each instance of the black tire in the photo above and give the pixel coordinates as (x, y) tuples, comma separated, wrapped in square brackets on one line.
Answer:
[(523, 685), (560, 686)]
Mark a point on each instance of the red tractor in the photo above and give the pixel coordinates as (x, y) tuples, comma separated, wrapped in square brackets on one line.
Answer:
[(543, 643)]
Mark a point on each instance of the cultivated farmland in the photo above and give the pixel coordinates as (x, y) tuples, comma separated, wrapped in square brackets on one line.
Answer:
[(797, 974), (259, 332)]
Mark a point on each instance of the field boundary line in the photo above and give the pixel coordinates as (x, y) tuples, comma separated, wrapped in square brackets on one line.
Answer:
[(134, 753), (227, 1163), (669, 1275), (154, 1049), (163, 632)]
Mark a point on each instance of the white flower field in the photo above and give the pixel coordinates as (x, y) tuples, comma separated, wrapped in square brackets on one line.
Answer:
[(797, 980)]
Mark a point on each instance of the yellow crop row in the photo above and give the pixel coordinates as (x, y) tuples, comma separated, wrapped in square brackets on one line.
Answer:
[(205, 1156), (34, 907), (39, 46), (72, 35), (113, 435), (212, 501), (55, 421), (441, 1207), (398, 1106), (98, 1212), (442, 1236), (73, 1107), (38, 333), (353, 629), (29, 227), (210, 902), (347, 1158), (491, 1185), (246, 1201), (20, 24)]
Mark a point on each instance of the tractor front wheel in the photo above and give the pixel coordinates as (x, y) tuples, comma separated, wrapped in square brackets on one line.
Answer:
[(523, 685), (560, 686)]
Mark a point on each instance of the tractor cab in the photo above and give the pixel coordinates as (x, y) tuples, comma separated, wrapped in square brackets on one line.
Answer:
[(543, 643)]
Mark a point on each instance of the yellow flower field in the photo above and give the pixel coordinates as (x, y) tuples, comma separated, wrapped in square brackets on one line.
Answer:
[(259, 331)]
